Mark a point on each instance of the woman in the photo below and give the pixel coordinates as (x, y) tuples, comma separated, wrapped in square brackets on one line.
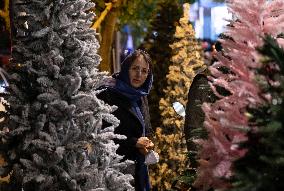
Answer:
[(132, 85)]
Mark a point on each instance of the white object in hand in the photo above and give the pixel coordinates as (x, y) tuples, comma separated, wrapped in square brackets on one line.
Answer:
[(152, 157)]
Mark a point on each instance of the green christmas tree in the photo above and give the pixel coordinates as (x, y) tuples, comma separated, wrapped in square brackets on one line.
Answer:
[(263, 166)]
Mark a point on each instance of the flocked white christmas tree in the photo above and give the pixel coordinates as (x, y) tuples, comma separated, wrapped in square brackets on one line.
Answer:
[(53, 138)]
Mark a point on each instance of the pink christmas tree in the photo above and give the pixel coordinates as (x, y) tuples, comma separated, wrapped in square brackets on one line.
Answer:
[(227, 120)]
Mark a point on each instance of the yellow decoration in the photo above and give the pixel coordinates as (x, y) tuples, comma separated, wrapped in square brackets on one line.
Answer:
[(102, 16), (6, 15), (170, 141), (2, 161)]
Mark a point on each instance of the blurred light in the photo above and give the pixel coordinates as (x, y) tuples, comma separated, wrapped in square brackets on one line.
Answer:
[(129, 43), (3, 81), (2, 87), (209, 3), (219, 17), (155, 33), (208, 18), (179, 108)]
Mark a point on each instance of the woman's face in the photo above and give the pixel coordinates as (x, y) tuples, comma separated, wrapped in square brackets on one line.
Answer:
[(138, 72)]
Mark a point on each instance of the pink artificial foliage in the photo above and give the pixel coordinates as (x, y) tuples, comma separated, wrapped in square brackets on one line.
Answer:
[(280, 41), (227, 120)]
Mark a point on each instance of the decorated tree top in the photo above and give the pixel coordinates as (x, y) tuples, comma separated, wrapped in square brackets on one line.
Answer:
[(186, 62)]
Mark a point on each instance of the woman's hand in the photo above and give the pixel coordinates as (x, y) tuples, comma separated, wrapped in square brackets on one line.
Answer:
[(150, 145), (144, 142), (144, 145)]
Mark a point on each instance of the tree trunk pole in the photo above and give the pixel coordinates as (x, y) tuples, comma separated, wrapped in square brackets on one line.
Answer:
[(107, 38), (107, 34), (5, 14)]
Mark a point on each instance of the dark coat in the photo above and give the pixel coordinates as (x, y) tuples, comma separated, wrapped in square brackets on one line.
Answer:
[(199, 93), (131, 127)]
